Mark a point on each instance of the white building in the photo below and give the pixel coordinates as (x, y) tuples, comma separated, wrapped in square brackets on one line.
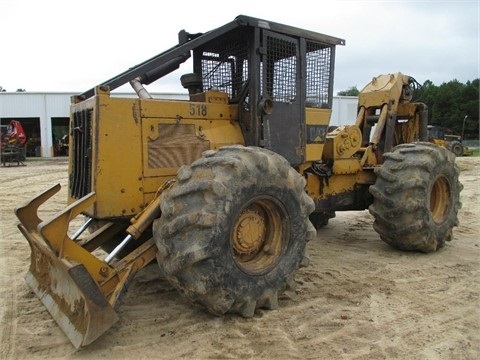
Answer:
[(45, 116)]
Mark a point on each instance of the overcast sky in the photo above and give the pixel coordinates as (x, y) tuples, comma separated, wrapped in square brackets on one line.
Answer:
[(49, 45)]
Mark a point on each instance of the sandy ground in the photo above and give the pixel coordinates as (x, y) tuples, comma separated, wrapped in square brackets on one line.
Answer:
[(358, 299)]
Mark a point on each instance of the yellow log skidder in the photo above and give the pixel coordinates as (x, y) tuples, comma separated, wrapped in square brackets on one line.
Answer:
[(225, 189)]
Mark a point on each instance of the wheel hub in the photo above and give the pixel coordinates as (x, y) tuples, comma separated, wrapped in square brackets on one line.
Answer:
[(259, 235), (249, 233)]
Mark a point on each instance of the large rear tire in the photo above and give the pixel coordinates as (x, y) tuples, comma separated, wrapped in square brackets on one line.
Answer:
[(416, 197), (233, 229)]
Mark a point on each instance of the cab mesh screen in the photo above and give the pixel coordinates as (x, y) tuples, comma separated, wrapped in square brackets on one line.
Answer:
[(318, 82)]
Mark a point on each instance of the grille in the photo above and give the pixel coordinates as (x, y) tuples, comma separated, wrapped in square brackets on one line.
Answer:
[(81, 176), (318, 74), (176, 145)]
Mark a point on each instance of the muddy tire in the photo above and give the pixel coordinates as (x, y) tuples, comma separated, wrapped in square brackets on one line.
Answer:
[(416, 197), (233, 229)]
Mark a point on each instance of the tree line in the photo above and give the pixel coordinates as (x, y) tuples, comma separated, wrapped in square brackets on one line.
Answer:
[(453, 105)]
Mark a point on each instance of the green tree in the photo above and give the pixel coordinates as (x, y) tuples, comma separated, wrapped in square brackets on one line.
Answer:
[(470, 107), (351, 91), (449, 103)]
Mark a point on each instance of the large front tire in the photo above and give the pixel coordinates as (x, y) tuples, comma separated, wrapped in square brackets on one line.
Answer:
[(233, 229), (416, 197)]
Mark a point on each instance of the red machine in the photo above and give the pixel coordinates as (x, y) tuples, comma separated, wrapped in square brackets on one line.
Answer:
[(13, 142), (14, 134)]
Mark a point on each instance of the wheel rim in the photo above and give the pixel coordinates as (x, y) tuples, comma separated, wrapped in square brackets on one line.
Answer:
[(440, 200), (259, 235)]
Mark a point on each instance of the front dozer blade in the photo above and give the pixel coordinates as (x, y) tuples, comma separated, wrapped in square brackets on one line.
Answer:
[(70, 295), (63, 285)]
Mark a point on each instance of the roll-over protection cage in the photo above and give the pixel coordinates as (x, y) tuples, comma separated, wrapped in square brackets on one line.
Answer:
[(258, 63)]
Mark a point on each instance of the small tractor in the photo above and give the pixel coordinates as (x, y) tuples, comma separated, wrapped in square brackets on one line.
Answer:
[(447, 138), (224, 190)]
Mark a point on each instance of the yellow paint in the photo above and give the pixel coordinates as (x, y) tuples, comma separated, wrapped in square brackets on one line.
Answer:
[(123, 128), (316, 116)]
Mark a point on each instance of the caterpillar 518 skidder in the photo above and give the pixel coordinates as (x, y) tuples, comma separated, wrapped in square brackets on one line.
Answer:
[(225, 189)]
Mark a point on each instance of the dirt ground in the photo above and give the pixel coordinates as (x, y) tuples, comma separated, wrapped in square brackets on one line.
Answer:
[(358, 299)]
